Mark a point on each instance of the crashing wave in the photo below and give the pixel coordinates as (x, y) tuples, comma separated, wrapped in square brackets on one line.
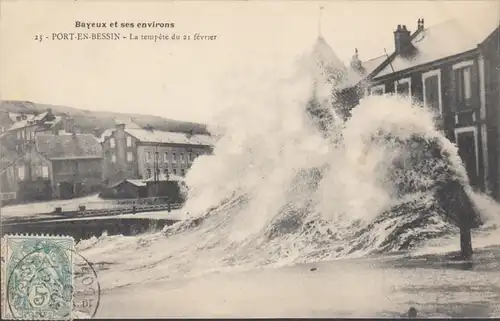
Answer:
[(303, 184)]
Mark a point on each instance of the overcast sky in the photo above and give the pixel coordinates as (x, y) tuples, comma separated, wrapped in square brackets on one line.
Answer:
[(182, 80)]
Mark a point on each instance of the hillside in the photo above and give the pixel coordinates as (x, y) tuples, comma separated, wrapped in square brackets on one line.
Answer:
[(96, 122)]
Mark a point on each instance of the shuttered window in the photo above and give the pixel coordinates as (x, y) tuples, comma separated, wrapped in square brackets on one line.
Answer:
[(463, 90), (465, 87), (431, 84)]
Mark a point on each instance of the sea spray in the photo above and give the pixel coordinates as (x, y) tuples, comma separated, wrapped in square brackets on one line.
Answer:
[(291, 193), (283, 186)]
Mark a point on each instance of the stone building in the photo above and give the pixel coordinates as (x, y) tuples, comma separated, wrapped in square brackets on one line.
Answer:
[(147, 153), (56, 166)]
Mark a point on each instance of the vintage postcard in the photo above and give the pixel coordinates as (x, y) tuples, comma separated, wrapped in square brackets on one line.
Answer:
[(249, 159)]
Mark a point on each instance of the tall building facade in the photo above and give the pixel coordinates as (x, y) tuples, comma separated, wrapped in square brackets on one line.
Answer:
[(150, 154)]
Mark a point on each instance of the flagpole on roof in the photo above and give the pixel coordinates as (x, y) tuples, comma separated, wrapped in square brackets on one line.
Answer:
[(319, 20)]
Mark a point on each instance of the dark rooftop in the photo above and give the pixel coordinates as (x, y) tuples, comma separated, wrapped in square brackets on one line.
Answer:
[(77, 146)]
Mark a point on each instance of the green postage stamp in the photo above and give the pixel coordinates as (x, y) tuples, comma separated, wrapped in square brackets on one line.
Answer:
[(37, 277)]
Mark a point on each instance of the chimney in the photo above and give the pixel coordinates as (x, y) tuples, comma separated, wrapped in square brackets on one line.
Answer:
[(50, 115), (402, 41), (68, 124), (420, 24), (356, 63), (120, 126)]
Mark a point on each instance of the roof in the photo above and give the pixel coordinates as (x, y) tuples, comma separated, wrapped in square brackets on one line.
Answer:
[(353, 77), (156, 136), (143, 182), (40, 116), (77, 146), (13, 116), (372, 64), (33, 120), (22, 123), (441, 41), (136, 182), (105, 134)]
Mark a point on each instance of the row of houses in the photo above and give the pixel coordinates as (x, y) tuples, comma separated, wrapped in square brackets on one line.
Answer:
[(453, 69), (44, 156)]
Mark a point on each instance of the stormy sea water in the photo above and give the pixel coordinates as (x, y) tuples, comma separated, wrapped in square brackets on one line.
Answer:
[(296, 215), (299, 216)]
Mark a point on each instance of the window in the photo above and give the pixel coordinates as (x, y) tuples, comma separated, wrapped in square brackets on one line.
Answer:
[(45, 171), (148, 173), (174, 171), (462, 74), (403, 87), (113, 158), (130, 157), (181, 158), (432, 90), (377, 90), (183, 172), (173, 158), (149, 157), (129, 141), (112, 142), (165, 155), (467, 143), (22, 134), (165, 172), (190, 157), (20, 172)]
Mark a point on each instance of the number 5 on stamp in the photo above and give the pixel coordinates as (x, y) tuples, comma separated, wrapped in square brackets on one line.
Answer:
[(38, 276)]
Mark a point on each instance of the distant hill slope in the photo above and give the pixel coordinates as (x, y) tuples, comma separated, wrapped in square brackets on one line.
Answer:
[(96, 122)]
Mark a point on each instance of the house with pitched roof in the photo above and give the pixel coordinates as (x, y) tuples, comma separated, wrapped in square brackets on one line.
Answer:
[(57, 166), (138, 153), (453, 69)]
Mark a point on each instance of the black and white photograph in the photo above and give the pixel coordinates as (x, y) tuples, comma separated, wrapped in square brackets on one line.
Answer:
[(249, 159)]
